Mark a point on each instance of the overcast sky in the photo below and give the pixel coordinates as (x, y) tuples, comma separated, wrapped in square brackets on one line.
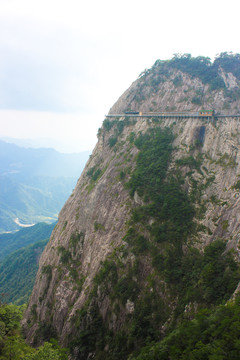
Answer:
[(63, 63)]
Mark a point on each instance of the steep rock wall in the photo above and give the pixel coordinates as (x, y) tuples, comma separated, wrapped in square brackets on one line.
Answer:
[(74, 285), (178, 91)]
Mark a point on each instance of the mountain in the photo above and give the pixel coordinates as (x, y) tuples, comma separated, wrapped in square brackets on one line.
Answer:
[(18, 271), (9, 243), (34, 184), (147, 245), (19, 256), (27, 162)]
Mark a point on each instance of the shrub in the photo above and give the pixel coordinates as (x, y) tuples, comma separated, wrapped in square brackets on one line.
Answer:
[(112, 141)]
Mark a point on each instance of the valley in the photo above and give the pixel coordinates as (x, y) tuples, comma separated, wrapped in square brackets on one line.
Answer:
[(34, 184)]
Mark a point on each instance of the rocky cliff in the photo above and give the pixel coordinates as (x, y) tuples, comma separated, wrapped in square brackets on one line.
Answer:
[(151, 232)]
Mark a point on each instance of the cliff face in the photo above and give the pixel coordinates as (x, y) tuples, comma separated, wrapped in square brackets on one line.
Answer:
[(185, 84), (154, 195)]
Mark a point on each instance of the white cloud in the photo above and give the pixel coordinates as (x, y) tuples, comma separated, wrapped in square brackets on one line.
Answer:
[(79, 56)]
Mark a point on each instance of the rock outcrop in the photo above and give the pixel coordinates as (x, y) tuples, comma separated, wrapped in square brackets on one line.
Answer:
[(106, 277)]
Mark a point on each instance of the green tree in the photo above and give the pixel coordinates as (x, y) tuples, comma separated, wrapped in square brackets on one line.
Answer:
[(12, 344), (15, 348), (48, 352)]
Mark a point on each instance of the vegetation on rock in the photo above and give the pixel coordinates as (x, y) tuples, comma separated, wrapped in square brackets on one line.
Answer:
[(196, 67), (212, 334), (149, 276), (157, 232)]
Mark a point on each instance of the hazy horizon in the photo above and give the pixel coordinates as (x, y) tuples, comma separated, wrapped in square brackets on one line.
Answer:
[(65, 63), (48, 143)]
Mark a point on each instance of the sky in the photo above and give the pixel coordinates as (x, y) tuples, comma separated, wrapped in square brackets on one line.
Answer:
[(64, 63)]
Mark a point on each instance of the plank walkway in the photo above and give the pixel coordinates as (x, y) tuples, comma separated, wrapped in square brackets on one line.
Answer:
[(172, 115)]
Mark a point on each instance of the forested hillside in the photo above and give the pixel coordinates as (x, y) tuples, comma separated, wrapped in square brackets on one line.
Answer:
[(24, 237), (18, 271), (19, 257)]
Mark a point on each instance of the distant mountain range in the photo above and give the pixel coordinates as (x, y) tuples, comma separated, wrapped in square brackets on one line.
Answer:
[(46, 142), (35, 183), (19, 256), (18, 272), (24, 237)]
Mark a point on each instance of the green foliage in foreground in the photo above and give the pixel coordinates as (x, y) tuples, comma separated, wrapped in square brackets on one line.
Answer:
[(18, 272), (212, 335), (48, 351), (12, 344)]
